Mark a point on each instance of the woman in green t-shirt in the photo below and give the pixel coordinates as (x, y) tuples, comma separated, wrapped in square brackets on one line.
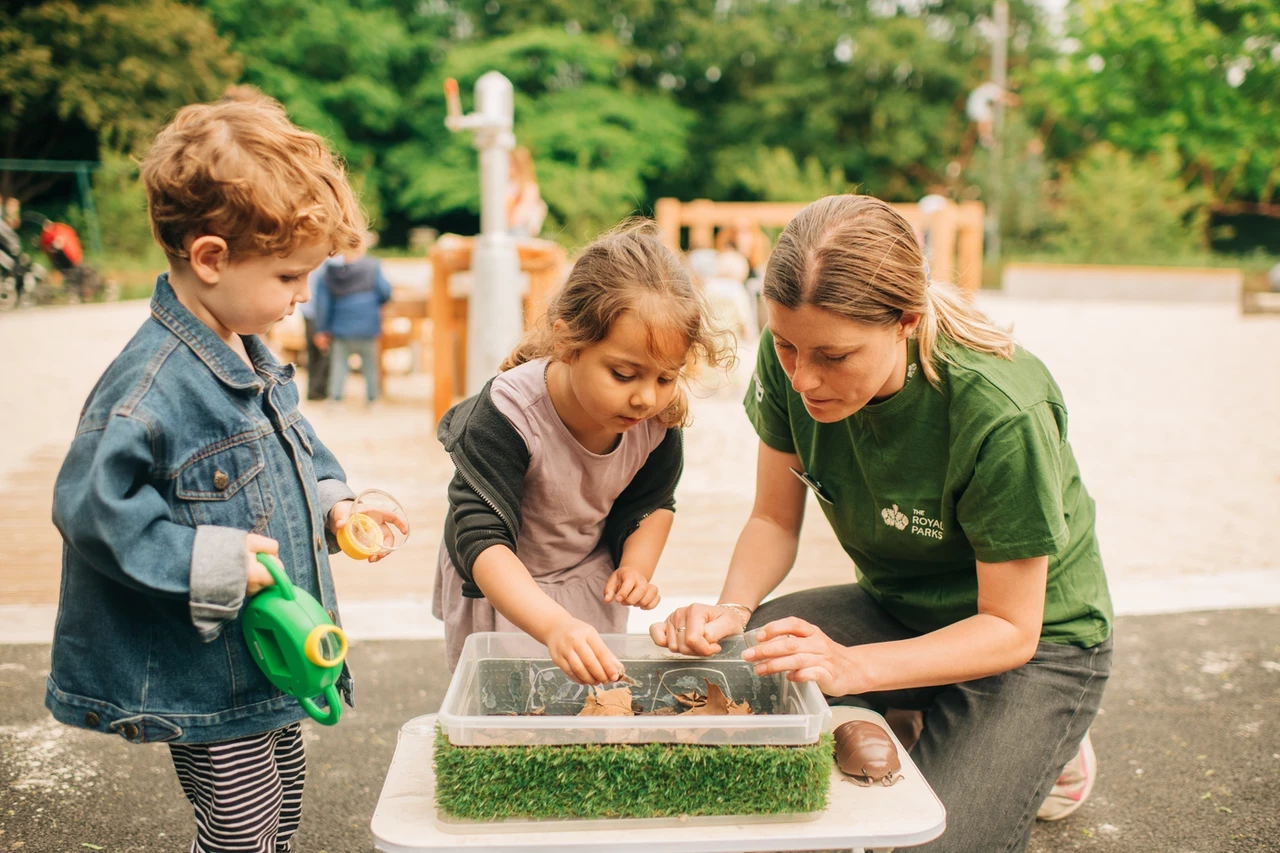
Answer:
[(938, 451)]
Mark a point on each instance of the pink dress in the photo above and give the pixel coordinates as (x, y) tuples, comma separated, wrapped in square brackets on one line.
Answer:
[(568, 492)]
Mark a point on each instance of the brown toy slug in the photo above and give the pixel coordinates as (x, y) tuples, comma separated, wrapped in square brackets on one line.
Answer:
[(866, 753)]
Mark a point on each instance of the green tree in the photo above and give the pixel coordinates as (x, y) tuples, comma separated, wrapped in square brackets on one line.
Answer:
[(1200, 75), (74, 76), (597, 140), (873, 90), (341, 69)]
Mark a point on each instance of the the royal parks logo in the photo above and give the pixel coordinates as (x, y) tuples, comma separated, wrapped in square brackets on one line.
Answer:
[(919, 521)]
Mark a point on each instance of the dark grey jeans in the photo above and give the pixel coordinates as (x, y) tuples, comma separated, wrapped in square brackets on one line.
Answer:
[(991, 748)]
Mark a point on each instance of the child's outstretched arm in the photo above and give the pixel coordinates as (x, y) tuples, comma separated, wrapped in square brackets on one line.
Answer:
[(638, 524), (632, 582), (575, 646), (108, 511)]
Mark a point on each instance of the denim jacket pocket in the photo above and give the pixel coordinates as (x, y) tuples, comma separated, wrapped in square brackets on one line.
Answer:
[(222, 487)]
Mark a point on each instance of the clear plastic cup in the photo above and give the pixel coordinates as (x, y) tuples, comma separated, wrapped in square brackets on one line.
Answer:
[(376, 526)]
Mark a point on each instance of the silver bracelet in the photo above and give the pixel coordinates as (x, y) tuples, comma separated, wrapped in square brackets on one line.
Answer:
[(741, 609)]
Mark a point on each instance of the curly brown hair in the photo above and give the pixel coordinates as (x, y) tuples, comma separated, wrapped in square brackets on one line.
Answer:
[(240, 170)]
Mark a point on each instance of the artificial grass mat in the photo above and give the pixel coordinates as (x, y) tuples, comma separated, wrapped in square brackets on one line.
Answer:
[(630, 780)]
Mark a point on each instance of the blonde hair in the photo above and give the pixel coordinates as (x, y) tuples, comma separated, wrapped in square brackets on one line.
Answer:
[(629, 269), (856, 256), (240, 170)]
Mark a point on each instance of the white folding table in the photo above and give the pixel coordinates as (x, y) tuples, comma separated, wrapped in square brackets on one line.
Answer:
[(856, 818)]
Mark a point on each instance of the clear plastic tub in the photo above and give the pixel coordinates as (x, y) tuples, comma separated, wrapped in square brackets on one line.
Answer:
[(501, 678)]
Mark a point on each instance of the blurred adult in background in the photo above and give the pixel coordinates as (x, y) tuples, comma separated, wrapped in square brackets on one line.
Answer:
[(526, 211)]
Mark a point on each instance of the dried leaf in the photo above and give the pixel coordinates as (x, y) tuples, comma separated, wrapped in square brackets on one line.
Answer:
[(608, 703), (691, 700), (718, 703)]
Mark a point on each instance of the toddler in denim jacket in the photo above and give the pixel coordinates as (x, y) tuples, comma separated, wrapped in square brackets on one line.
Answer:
[(190, 458)]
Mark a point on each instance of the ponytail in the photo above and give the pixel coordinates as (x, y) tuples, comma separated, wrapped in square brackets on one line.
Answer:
[(949, 317)]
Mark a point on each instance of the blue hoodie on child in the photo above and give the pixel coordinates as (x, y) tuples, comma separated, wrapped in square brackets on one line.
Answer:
[(349, 297)]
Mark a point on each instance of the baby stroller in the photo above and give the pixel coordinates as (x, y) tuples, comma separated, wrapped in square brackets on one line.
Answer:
[(20, 277), (61, 245)]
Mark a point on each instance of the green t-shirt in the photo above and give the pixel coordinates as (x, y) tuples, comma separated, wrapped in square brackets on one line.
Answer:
[(921, 485)]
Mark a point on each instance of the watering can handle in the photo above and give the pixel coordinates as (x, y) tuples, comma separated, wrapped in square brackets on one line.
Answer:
[(328, 718), (276, 570)]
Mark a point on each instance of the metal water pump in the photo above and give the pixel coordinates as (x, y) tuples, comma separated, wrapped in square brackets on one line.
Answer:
[(494, 311)]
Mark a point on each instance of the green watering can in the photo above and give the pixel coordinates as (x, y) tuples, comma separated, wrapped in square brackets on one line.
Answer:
[(295, 643)]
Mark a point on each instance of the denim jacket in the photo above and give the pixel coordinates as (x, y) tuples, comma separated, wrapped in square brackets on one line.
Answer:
[(181, 450)]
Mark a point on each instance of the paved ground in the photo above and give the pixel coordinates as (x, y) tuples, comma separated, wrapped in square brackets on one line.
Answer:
[(1174, 412), (1188, 745)]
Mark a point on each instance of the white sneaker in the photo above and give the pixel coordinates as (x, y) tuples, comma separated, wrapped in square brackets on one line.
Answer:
[(1073, 785)]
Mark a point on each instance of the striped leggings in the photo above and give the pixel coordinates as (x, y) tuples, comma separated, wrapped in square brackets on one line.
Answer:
[(247, 793)]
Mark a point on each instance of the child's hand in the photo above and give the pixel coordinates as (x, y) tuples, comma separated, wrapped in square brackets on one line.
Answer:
[(258, 576), (629, 586), (577, 649), (321, 340), (341, 512)]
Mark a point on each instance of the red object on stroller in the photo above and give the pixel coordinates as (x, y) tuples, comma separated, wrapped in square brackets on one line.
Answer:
[(58, 240)]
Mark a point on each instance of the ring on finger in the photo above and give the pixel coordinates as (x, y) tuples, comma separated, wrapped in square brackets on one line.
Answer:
[(679, 629)]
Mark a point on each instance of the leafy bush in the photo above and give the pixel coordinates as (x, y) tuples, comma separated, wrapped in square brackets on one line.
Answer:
[(1115, 208), (774, 174)]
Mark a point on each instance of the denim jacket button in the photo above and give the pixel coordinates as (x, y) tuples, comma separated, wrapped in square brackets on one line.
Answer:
[(220, 480), (130, 731), (91, 720)]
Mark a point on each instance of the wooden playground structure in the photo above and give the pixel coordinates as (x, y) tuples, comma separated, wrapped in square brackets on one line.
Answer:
[(542, 261), (955, 230)]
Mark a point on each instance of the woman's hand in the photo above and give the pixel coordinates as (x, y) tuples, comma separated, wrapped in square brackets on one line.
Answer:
[(340, 514), (697, 629), (628, 585), (804, 653), (577, 649)]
